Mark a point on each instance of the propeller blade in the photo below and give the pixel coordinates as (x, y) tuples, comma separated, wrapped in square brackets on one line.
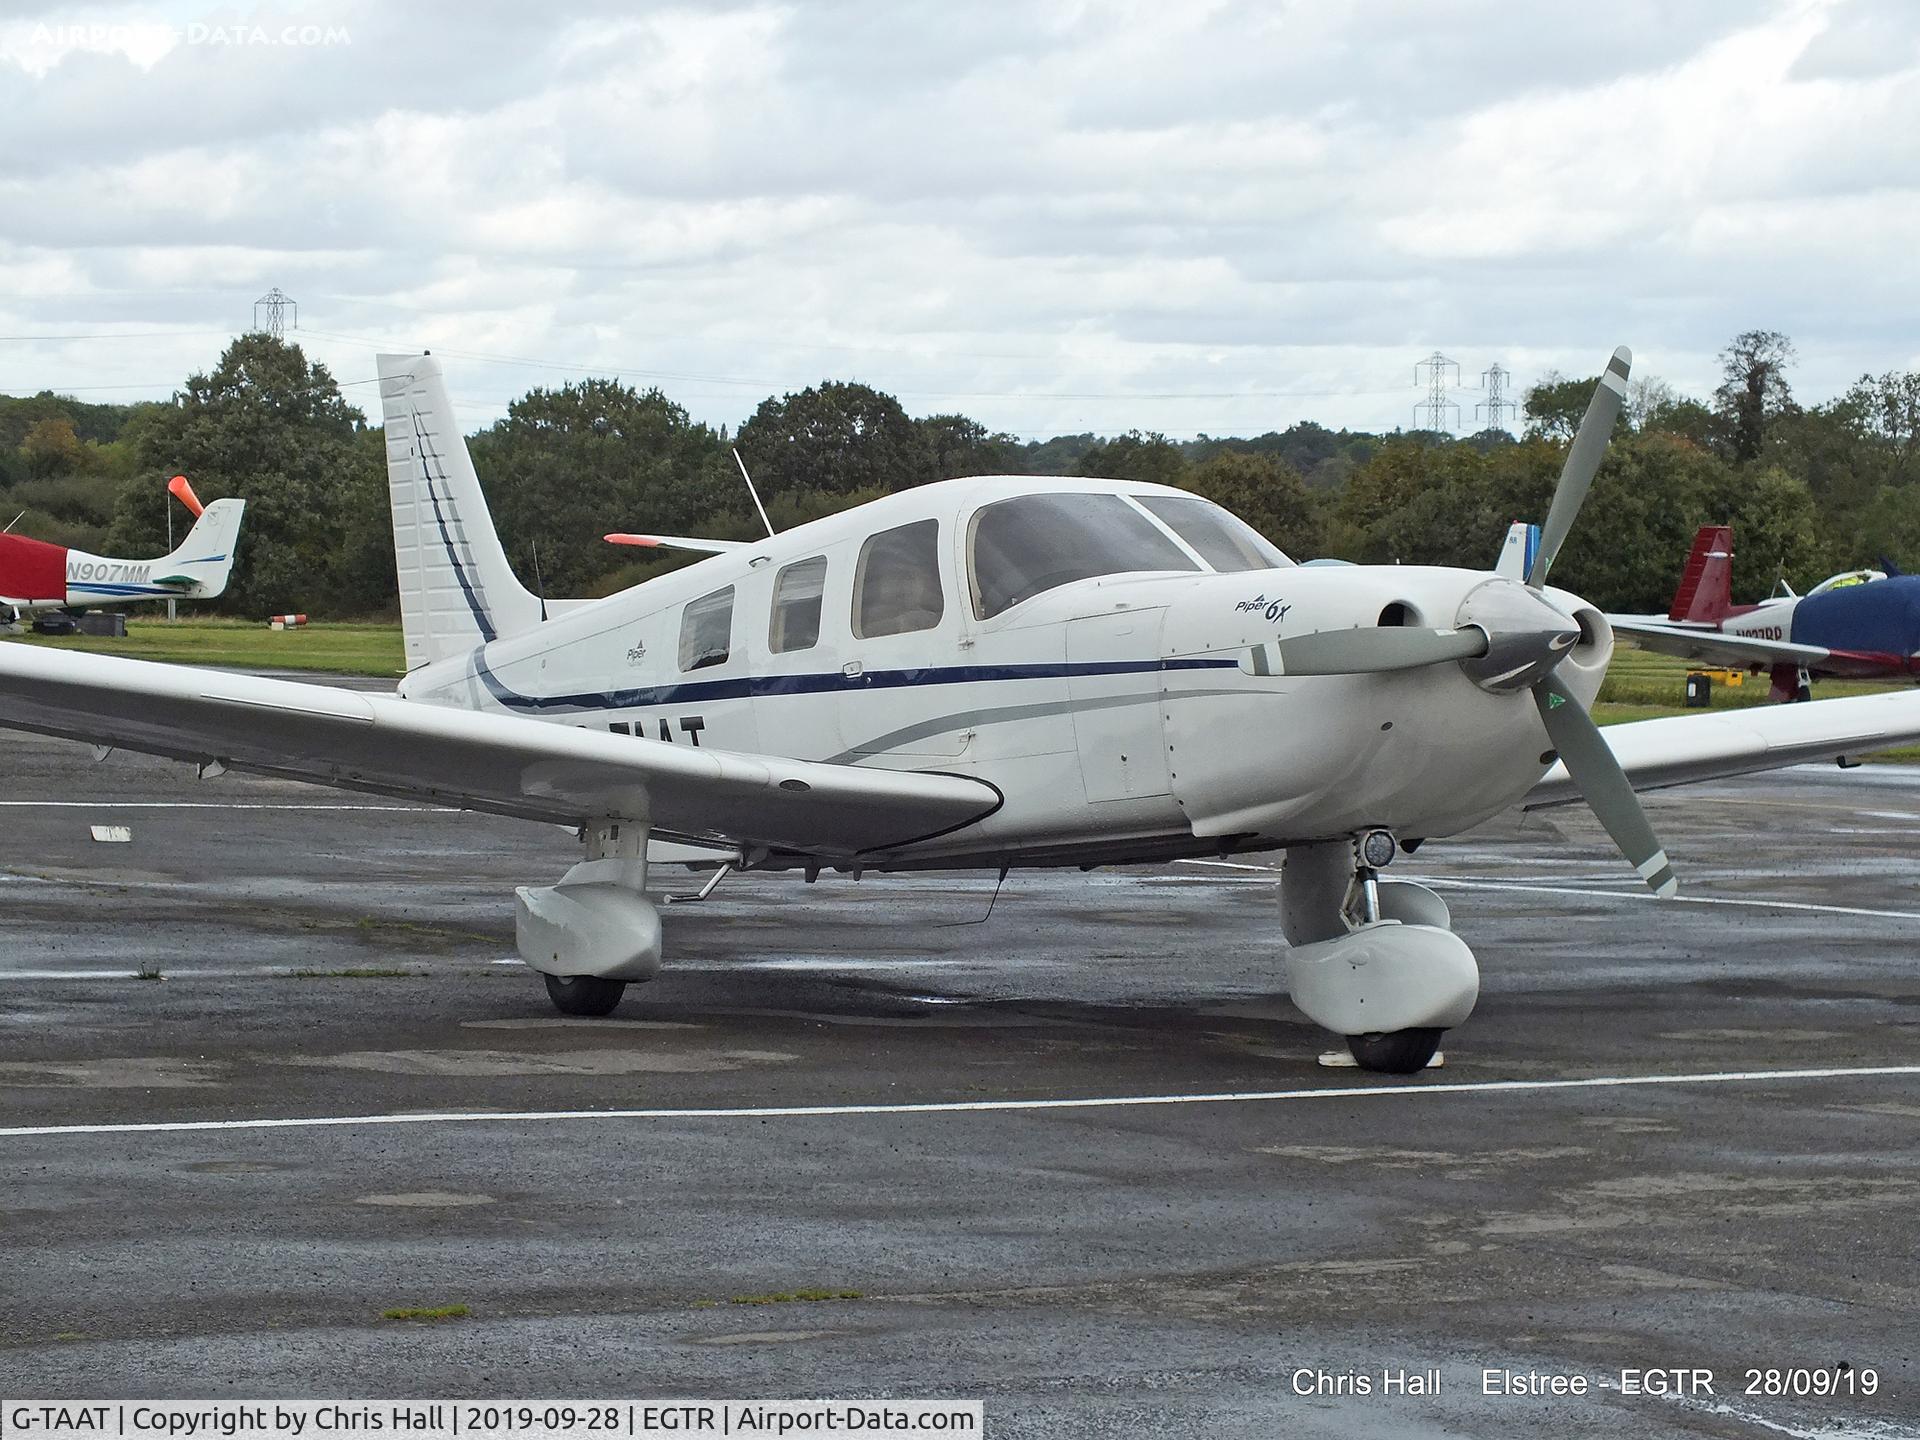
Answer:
[(1583, 462), (1604, 783), (1386, 647)]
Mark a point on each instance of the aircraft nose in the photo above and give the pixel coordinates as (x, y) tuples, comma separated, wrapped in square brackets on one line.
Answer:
[(1526, 635)]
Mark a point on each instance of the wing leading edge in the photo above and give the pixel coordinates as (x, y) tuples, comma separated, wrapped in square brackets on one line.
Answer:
[(1716, 647), (1686, 749), (502, 764)]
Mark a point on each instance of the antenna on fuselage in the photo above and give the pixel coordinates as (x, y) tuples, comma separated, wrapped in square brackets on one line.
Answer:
[(13, 522), (539, 583), (750, 490)]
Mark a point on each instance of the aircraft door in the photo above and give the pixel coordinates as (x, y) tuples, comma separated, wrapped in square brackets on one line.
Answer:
[(1113, 682)]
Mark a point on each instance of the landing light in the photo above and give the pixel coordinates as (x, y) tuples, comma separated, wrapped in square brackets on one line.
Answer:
[(1376, 849)]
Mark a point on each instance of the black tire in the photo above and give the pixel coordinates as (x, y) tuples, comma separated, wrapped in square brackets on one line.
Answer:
[(1394, 1052), (584, 995)]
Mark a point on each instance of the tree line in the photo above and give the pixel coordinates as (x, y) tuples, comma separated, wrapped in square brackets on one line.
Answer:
[(1809, 489)]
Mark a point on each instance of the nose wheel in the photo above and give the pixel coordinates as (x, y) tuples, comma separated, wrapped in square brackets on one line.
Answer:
[(583, 994), (1395, 1052)]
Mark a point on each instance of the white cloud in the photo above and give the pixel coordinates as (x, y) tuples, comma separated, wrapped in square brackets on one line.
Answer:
[(1092, 214)]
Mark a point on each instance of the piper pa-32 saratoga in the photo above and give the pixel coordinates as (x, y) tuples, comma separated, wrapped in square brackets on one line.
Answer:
[(983, 673), (35, 575)]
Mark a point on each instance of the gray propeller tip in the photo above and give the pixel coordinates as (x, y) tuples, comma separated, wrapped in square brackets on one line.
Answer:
[(1622, 362)]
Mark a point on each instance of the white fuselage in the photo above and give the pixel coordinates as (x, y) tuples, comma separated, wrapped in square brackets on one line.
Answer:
[(1120, 716)]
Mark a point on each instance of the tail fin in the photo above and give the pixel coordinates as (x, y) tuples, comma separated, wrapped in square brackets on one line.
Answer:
[(456, 589), (204, 561), (1706, 585), (1516, 555)]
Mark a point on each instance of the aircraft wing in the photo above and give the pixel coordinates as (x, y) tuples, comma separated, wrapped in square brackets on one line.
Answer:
[(1715, 648), (461, 759), (1686, 749)]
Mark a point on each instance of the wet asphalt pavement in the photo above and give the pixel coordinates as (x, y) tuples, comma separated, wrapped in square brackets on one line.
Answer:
[(1126, 1269)]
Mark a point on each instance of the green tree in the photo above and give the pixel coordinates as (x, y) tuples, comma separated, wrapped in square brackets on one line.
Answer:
[(834, 439), (567, 466), (1268, 494), (1753, 389), (267, 425), (962, 446), (1776, 529), (52, 448), (1554, 405), (1134, 456), (1886, 409)]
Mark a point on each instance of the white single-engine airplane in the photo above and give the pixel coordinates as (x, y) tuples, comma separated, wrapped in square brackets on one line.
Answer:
[(995, 672)]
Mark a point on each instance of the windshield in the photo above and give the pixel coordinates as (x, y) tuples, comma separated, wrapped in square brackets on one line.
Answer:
[(1223, 539), (1033, 543)]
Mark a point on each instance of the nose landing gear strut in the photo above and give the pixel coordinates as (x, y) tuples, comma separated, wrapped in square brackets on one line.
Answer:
[(1373, 960)]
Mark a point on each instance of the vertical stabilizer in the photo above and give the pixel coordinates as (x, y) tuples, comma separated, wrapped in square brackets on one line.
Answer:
[(1516, 554), (1706, 585), (456, 589), (204, 561)]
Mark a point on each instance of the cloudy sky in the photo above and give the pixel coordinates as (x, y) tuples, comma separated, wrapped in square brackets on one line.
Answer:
[(1210, 217)]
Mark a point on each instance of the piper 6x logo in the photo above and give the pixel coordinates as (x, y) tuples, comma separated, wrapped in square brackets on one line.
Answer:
[(107, 571), (1276, 609)]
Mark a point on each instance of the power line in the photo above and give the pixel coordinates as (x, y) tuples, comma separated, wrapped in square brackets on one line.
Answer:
[(114, 335)]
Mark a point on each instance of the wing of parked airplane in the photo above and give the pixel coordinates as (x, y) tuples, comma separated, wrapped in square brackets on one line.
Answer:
[(1715, 647), (473, 761), (1711, 646), (1686, 749)]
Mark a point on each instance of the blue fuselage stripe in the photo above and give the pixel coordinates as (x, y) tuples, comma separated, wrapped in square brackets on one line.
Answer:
[(743, 687)]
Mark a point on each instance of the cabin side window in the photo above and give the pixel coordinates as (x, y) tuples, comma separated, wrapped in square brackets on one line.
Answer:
[(797, 593), (706, 630), (896, 590)]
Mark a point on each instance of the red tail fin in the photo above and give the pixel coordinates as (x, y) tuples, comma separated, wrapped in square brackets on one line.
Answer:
[(1706, 585)]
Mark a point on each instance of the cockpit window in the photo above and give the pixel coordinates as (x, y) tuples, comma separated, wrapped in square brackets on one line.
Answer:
[(896, 588), (1033, 543), (1223, 539)]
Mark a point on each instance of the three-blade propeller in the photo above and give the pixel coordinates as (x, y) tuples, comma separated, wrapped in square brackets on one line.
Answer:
[(1536, 648)]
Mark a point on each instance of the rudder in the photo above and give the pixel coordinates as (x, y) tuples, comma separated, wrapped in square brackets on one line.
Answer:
[(456, 589), (1706, 585)]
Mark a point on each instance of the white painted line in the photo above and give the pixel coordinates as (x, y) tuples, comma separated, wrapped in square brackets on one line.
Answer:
[(1682, 899), (212, 805), (1635, 894), (971, 1107)]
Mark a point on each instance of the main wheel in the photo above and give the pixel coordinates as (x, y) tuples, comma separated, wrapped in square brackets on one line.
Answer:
[(1392, 1052), (584, 995)]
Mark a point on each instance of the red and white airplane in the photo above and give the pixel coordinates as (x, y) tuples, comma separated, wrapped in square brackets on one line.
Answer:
[(36, 575), (997, 672)]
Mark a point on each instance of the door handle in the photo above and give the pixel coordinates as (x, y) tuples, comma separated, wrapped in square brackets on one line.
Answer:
[(853, 669)]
